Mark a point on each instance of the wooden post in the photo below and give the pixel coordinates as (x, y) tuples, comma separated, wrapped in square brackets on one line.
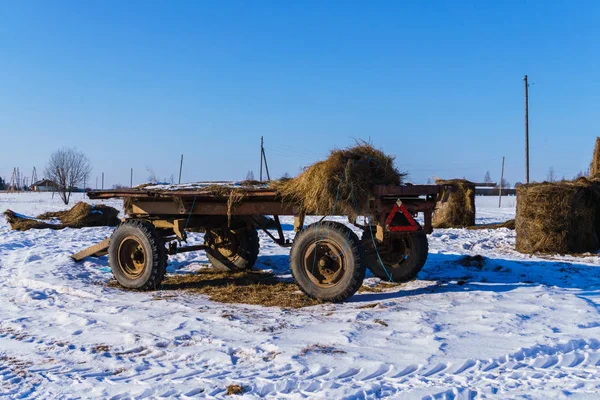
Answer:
[(180, 168), (501, 182), (526, 130)]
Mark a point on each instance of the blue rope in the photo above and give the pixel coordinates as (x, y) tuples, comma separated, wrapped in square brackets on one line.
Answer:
[(377, 252), (188, 219), (190, 214)]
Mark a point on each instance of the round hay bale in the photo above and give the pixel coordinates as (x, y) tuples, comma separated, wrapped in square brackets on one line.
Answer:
[(595, 164), (562, 217), (458, 211)]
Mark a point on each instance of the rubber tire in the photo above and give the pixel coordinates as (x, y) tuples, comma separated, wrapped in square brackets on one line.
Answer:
[(153, 244), (409, 269), (244, 259), (346, 239)]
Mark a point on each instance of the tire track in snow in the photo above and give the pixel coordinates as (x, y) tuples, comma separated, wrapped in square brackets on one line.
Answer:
[(576, 361)]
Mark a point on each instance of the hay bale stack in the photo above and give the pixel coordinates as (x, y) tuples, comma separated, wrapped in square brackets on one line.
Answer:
[(562, 217), (595, 164), (81, 215), (458, 211), (342, 183)]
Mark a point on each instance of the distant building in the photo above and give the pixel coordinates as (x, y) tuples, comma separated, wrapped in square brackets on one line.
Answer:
[(45, 185)]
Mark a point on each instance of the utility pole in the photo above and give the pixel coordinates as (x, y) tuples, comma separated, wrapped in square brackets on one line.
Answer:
[(261, 156), (180, 167), (96, 183), (526, 130), (501, 182), (103, 181), (131, 179)]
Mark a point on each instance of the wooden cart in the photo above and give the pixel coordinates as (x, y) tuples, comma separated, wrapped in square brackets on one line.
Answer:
[(327, 259)]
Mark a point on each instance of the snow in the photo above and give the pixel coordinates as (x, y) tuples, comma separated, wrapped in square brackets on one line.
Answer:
[(204, 185), (512, 326)]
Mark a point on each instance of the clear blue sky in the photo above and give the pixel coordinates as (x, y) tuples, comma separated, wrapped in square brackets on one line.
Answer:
[(437, 83)]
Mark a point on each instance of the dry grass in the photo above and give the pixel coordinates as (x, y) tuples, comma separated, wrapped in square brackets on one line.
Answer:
[(510, 224), (235, 390), (595, 164), (83, 214), (379, 288), (128, 205), (100, 348), (342, 183), (245, 287), (562, 217), (458, 211)]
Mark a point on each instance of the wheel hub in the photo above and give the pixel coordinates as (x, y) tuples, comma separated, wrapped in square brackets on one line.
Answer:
[(225, 243), (131, 257), (323, 263)]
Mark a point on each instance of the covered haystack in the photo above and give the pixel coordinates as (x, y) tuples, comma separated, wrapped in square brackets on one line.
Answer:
[(458, 209), (561, 217), (81, 215), (595, 164), (20, 222), (342, 183)]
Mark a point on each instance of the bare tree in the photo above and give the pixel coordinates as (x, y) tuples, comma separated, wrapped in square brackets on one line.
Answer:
[(505, 184), (487, 178), (583, 174), (67, 168), (551, 177), (250, 175), (151, 174)]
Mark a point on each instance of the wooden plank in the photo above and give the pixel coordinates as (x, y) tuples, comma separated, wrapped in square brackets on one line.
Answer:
[(157, 208), (96, 250), (409, 190)]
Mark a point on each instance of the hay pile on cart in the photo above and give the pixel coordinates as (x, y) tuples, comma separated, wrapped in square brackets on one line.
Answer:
[(342, 183)]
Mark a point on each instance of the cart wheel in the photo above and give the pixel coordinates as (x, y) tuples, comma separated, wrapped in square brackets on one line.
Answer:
[(326, 261), (232, 249), (137, 255), (402, 262)]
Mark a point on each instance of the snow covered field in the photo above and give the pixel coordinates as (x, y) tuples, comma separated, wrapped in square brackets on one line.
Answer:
[(510, 326)]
